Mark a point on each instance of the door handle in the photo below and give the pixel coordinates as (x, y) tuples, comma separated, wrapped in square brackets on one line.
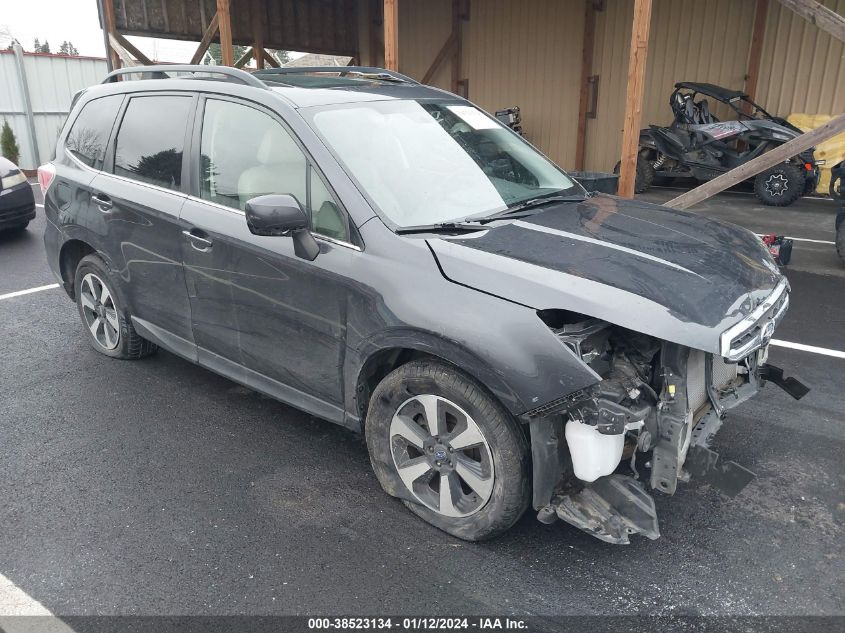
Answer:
[(197, 241), (102, 201)]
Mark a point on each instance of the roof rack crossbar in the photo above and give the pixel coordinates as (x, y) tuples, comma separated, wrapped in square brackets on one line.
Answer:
[(339, 70), (160, 72)]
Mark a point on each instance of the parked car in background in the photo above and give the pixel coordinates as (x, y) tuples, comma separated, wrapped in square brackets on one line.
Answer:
[(387, 256), (17, 203)]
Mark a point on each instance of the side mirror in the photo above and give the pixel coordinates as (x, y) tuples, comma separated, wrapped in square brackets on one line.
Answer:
[(280, 214)]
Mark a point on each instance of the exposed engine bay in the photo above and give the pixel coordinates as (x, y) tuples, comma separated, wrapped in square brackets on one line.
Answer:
[(646, 424)]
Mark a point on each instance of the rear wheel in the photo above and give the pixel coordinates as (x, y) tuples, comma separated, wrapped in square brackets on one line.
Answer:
[(454, 455), (645, 174), (780, 185), (103, 314)]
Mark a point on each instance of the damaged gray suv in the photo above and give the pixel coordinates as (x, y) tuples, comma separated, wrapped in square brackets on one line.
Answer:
[(387, 256)]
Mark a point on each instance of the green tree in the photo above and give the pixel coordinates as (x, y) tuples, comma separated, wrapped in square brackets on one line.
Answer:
[(36, 46), (283, 57), (45, 47), (67, 48), (8, 145)]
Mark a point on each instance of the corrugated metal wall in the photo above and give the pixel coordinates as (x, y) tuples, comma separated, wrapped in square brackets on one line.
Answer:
[(424, 27), (803, 68), (528, 54), (52, 81)]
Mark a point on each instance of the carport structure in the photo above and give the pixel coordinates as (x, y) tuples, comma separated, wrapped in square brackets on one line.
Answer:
[(587, 74)]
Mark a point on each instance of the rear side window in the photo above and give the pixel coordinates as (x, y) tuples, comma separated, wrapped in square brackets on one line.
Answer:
[(151, 140), (89, 134)]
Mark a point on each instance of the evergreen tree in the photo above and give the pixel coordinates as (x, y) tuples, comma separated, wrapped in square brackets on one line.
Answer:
[(68, 48), (36, 46), (8, 145), (214, 53), (45, 47)]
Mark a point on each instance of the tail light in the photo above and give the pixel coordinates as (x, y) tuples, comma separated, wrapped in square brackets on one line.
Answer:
[(46, 173)]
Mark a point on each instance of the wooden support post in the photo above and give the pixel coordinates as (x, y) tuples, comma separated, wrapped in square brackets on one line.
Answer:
[(634, 97), (117, 41), (256, 9), (209, 34), (761, 12), (109, 27), (271, 61), (391, 34), (826, 19), (457, 48), (225, 23), (243, 59), (586, 71), (448, 45), (753, 167)]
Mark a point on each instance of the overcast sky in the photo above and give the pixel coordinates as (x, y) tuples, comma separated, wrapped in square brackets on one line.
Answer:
[(77, 21)]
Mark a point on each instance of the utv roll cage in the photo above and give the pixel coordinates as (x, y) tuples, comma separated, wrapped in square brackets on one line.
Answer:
[(689, 110), (298, 76)]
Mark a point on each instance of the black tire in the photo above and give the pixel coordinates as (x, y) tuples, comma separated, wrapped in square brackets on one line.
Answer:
[(129, 346), (505, 439), (840, 240), (780, 185), (645, 174)]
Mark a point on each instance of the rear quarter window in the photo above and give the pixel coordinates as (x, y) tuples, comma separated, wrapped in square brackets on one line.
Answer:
[(89, 134)]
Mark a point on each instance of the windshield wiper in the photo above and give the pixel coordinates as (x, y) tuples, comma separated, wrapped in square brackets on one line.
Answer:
[(533, 203), (440, 227)]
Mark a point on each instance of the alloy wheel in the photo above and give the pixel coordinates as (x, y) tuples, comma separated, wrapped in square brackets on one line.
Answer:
[(99, 311), (441, 455), (776, 185)]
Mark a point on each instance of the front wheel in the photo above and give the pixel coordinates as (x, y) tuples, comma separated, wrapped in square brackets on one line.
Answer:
[(645, 174), (455, 456), (780, 186)]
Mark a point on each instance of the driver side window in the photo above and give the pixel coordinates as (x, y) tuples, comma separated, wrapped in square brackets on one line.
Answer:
[(244, 153)]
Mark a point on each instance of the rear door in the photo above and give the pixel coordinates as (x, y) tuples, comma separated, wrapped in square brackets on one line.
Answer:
[(264, 315), (139, 196)]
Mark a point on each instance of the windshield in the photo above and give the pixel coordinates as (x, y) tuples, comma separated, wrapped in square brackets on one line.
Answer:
[(428, 162)]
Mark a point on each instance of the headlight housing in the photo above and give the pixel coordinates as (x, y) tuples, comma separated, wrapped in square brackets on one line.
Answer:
[(11, 180)]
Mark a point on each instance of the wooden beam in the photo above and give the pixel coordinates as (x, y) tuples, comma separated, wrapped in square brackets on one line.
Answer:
[(816, 13), (457, 49), (753, 167), (271, 61), (117, 39), (634, 97), (243, 59), (391, 34), (209, 34), (755, 55), (258, 25), (586, 70), (110, 27), (224, 20), (447, 47)]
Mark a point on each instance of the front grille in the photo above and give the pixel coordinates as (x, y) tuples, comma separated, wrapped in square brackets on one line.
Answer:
[(721, 377)]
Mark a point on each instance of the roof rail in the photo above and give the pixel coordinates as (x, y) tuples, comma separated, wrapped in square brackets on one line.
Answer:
[(160, 72), (366, 71)]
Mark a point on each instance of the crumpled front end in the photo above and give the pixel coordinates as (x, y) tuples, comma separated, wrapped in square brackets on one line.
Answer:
[(648, 423)]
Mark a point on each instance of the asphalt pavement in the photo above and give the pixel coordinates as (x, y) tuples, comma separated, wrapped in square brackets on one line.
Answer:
[(157, 487)]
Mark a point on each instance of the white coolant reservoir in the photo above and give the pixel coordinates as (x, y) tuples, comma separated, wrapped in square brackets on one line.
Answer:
[(593, 454)]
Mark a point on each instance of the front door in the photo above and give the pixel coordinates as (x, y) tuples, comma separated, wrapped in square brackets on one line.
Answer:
[(254, 303)]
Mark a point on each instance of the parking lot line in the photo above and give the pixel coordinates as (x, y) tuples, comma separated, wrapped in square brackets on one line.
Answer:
[(808, 348), (15, 603), (28, 291)]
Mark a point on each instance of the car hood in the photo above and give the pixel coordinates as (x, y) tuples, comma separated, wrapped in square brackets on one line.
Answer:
[(672, 274)]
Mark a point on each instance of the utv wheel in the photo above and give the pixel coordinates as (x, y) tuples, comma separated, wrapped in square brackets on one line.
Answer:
[(103, 314), (455, 456), (780, 185), (645, 174)]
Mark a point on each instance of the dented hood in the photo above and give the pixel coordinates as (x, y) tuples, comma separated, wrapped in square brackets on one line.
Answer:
[(672, 274)]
